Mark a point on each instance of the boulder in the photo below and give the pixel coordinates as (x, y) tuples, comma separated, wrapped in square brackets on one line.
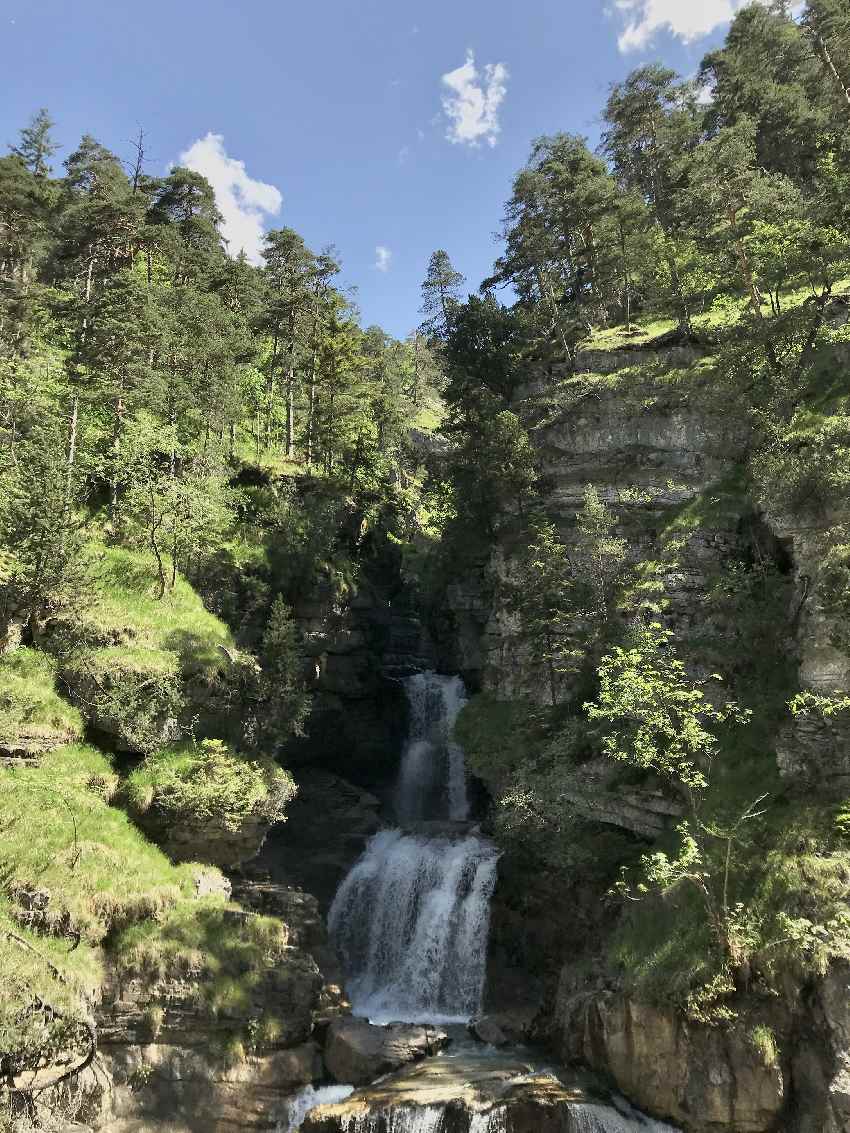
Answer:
[(357, 1052), (502, 1028), (487, 1030)]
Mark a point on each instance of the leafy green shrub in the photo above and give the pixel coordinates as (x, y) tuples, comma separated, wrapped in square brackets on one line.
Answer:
[(229, 956), (131, 693), (807, 465), (209, 783)]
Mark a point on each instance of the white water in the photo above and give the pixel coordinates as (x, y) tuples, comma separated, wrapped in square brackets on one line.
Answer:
[(583, 1118), (588, 1118), (410, 923), (432, 779), (399, 1119), (411, 919), (310, 1097)]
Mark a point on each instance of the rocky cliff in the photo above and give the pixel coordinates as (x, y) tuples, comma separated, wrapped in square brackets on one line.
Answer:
[(667, 458)]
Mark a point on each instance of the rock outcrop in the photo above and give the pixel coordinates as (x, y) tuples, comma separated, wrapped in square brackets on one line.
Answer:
[(328, 824), (704, 1078), (357, 1052)]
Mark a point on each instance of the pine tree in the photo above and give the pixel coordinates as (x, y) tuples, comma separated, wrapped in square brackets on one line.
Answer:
[(36, 146), (440, 294)]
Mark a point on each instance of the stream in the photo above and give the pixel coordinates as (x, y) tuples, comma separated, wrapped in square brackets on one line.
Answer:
[(410, 923)]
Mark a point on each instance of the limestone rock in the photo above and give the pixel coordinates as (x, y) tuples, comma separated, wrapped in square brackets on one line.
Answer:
[(217, 843), (503, 1028), (168, 1083), (358, 1052), (288, 988), (704, 1078), (487, 1030), (328, 824)]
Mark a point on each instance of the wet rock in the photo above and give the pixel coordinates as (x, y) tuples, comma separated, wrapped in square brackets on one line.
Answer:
[(487, 1030), (328, 824), (358, 1052), (500, 1028)]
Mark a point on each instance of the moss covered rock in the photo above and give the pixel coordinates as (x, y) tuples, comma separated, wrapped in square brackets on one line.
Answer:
[(206, 802)]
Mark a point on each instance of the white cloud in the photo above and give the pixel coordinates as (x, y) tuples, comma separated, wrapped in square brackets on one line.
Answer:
[(242, 201), (687, 19), (472, 101), (383, 258)]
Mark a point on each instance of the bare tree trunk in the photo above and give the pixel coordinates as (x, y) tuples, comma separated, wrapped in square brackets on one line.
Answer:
[(823, 51), (72, 448), (117, 431)]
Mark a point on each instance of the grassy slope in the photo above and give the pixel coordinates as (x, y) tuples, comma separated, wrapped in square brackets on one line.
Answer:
[(103, 881)]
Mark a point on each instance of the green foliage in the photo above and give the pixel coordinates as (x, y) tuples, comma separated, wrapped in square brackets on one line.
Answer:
[(652, 715), (209, 783), (199, 940), (61, 837), (807, 465), (285, 703), (543, 595)]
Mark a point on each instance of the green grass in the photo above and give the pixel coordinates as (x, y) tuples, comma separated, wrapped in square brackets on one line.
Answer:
[(206, 939), (32, 713), (61, 835), (126, 613), (210, 784)]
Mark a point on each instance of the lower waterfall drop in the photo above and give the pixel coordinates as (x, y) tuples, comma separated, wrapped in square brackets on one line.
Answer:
[(410, 923)]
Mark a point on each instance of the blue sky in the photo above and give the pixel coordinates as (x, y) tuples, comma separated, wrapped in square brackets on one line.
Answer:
[(385, 127)]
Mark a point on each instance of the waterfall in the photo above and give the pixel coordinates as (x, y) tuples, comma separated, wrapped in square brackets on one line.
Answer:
[(432, 780), (580, 1118), (399, 1119), (307, 1099), (588, 1118), (410, 924), (410, 921)]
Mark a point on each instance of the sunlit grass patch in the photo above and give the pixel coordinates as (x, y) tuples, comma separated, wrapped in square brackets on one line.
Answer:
[(32, 713)]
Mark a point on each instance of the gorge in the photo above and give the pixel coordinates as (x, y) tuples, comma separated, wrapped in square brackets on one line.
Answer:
[(447, 733)]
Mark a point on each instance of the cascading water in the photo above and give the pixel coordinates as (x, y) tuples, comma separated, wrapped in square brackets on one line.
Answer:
[(432, 780), (309, 1099), (410, 921), (577, 1118)]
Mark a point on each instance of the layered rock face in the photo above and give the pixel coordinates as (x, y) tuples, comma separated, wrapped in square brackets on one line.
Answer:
[(703, 1078), (163, 1049), (655, 450), (356, 652), (327, 826), (649, 449)]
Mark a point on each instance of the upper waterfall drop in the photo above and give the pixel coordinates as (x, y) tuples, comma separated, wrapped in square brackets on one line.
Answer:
[(432, 779)]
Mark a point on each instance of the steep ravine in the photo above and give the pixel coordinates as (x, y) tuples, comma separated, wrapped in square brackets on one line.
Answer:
[(410, 924)]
